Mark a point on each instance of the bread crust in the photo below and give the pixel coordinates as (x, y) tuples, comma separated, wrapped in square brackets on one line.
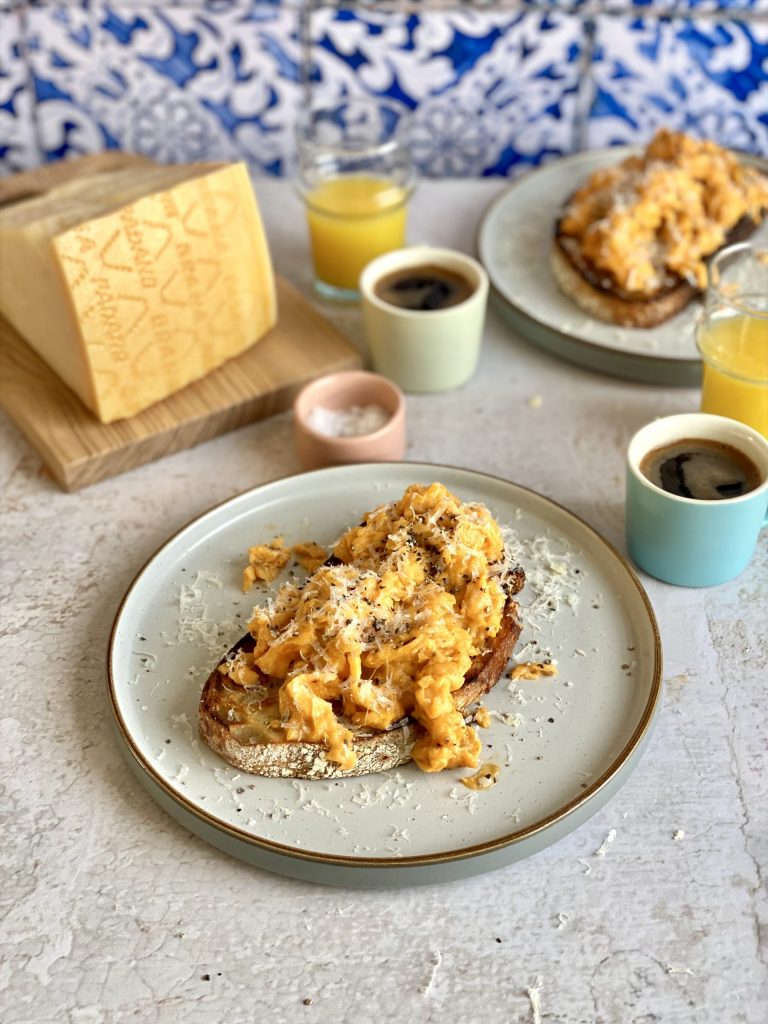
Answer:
[(604, 301), (376, 751)]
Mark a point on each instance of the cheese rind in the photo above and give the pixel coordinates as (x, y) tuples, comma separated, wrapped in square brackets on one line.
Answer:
[(130, 304)]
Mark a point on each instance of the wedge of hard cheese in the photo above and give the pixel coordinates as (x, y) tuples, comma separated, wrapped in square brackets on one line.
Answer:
[(131, 284)]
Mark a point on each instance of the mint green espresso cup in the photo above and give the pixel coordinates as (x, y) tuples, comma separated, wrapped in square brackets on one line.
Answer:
[(424, 350), (685, 541)]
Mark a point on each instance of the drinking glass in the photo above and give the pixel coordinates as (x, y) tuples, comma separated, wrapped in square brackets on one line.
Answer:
[(732, 335), (355, 175)]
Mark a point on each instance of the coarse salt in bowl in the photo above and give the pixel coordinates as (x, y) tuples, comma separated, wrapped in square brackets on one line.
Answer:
[(349, 416)]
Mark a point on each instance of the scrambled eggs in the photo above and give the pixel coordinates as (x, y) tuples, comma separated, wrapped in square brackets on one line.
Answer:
[(663, 212), (387, 628), (267, 561)]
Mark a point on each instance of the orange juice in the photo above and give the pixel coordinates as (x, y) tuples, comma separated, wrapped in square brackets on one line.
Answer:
[(353, 219), (735, 383)]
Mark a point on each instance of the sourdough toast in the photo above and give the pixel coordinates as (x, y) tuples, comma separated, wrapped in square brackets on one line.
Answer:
[(240, 723)]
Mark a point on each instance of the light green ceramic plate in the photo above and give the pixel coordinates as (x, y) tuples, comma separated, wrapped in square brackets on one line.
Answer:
[(513, 244), (565, 745)]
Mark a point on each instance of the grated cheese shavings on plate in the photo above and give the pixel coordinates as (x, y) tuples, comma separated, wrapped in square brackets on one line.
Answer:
[(551, 579), (469, 800), (317, 808), (195, 626), (517, 694), (400, 835), (394, 791)]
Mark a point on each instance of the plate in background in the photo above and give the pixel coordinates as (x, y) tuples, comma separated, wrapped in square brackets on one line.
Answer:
[(565, 744), (514, 243)]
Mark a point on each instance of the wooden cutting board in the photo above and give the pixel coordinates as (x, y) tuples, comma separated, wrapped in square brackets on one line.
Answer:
[(79, 450)]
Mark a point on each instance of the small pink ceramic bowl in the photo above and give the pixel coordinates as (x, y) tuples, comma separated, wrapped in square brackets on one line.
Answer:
[(331, 410)]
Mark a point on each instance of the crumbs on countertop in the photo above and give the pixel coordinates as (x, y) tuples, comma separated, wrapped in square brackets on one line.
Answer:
[(534, 994), (437, 959), (606, 843)]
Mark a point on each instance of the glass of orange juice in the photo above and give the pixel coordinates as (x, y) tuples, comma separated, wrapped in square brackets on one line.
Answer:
[(732, 336), (355, 175)]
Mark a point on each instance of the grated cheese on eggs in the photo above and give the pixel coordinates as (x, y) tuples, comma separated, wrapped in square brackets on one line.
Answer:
[(388, 628)]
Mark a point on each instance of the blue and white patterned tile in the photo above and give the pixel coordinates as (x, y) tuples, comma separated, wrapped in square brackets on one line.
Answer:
[(690, 7), (585, 7), (705, 77), (203, 81), (18, 142), (492, 93)]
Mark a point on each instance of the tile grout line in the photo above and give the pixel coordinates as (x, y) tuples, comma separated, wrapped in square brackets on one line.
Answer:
[(589, 9), (585, 90)]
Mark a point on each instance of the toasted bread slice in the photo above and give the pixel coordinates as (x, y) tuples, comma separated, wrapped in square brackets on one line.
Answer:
[(238, 722), (602, 299)]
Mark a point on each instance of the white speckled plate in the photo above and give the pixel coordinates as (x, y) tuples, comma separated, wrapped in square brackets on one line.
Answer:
[(514, 243), (564, 744)]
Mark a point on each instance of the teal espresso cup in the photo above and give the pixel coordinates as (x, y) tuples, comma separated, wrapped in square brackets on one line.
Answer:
[(689, 541)]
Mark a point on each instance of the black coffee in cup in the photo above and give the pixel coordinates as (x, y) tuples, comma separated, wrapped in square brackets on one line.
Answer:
[(423, 288), (701, 469)]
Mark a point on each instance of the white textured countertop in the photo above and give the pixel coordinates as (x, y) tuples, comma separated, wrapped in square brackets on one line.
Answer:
[(111, 911)]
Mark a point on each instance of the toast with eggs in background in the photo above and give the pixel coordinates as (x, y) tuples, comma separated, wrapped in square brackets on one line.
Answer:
[(632, 244)]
